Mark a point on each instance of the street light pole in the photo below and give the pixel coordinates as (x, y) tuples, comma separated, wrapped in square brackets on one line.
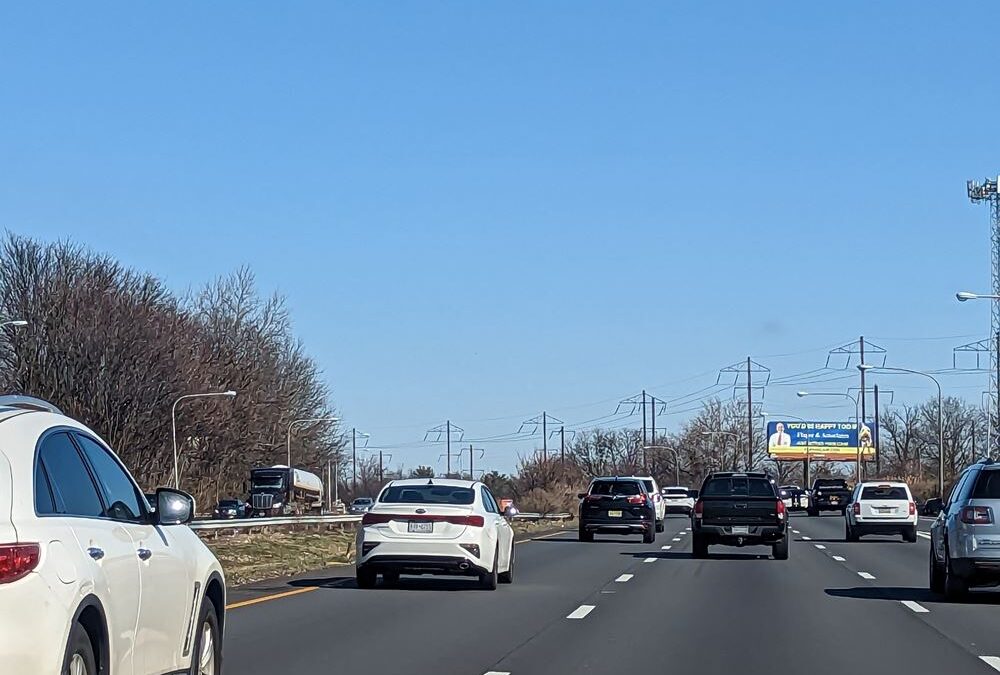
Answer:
[(910, 371), (173, 424), (288, 442), (677, 459), (857, 416)]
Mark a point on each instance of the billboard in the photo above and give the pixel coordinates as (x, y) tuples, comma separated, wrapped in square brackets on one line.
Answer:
[(836, 441)]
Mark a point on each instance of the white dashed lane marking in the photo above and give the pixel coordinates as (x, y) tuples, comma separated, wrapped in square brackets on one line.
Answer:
[(839, 559), (581, 612), (925, 535), (676, 539), (820, 547), (804, 538), (796, 532), (865, 575), (992, 661), (497, 672), (649, 560), (915, 606), (623, 578), (665, 548)]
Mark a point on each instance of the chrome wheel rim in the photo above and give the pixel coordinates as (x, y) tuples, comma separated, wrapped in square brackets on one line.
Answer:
[(77, 666), (206, 659)]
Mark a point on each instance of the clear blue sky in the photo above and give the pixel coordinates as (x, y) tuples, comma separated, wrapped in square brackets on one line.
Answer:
[(481, 211)]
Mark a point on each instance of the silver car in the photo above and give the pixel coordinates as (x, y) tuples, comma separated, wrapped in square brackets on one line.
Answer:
[(965, 538)]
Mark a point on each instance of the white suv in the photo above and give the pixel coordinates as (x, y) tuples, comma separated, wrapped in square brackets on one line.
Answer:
[(881, 508), (659, 505), (92, 580), (678, 500)]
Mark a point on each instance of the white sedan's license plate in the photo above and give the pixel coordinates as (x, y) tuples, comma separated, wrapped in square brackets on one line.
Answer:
[(420, 528), (741, 529), (614, 514)]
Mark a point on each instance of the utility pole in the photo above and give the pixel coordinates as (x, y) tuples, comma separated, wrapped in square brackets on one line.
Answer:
[(545, 436), (878, 449), (652, 412), (381, 473), (472, 473), (446, 430), (861, 341), (354, 458), (562, 446), (448, 449), (542, 421), (749, 417), (644, 439)]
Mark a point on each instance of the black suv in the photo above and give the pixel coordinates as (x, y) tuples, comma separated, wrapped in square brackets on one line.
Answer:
[(617, 506), (739, 509)]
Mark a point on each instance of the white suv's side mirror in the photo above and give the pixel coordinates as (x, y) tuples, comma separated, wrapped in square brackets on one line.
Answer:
[(173, 507)]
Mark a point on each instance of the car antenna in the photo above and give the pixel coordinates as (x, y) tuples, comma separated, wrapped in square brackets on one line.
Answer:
[(430, 481)]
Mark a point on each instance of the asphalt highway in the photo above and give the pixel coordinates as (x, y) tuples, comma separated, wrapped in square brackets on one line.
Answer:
[(617, 605)]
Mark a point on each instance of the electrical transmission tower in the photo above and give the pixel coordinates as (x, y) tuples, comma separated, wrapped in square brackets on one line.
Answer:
[(988, 192), (543, 422), (445, 431)]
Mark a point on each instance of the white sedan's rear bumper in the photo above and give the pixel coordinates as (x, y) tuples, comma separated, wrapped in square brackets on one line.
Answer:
[(470, 554)]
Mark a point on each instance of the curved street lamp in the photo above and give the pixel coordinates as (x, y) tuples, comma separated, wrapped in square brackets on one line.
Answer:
[(288, 443), (173, 422)]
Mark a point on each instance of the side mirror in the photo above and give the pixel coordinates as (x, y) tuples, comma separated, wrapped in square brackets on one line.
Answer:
[(173, 507), (510, 512), (581, 495), (693, 494)]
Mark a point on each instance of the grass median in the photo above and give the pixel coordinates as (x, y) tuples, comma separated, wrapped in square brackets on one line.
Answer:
[(248, 558)]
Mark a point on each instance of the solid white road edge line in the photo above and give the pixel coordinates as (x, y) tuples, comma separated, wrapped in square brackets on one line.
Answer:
[(865, 575), (623, 578), (581, 611), (992, 661), (915, 606)]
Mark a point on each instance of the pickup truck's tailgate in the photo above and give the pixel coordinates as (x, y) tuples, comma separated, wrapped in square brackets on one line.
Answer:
[(749, 511)]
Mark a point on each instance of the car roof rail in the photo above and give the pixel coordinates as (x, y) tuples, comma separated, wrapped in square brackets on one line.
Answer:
[(28, 403)]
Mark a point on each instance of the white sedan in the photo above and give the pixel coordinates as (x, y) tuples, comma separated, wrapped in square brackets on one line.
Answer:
[(435, 526), (881, 508), (678, 500), (92, 580)]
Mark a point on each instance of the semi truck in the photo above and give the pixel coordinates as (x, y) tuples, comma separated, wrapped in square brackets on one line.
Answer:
[(283, 491)]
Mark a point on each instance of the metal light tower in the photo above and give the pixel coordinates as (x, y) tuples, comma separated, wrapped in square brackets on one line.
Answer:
[(988, 192)]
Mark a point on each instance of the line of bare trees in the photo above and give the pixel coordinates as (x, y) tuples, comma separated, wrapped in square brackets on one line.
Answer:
[(115, 348)]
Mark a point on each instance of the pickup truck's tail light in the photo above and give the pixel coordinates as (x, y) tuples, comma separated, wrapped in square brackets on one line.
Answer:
[(699, 509), (17, 561), (913, 509), (977, 515), (379, 518), (780, 509), (856, 509), (637, 499)]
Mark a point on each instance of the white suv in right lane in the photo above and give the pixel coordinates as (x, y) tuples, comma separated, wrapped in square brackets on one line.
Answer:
[(881, 508), (678, 500)]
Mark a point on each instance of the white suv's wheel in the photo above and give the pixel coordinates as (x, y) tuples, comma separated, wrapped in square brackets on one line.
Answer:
[(207, 656), (80, 659)]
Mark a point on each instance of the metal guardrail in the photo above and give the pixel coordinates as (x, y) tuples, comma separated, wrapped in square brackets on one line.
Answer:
[(247, 523)]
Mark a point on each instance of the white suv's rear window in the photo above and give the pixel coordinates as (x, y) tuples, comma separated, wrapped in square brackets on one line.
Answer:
[(890, 493)]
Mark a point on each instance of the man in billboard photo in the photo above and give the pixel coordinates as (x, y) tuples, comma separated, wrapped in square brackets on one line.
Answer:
[(779, 438)]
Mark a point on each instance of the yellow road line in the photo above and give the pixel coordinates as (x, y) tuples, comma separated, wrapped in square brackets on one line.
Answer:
[(268, 598)]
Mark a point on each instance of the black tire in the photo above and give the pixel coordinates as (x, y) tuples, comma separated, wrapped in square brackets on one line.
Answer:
[(955, 587), (851, 534), (390, 579), (910, 535), (649, 536), (660, 526), (366, 578), (935, 574), (586, 535), (508, 576), (780, 549), (699, 547), (79, 647), (207, 659), (488, 580)]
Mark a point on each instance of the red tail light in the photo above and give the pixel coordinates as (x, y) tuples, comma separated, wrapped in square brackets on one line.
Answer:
[(637, 499), (699, 509), (857, 508), (379, 518), (17, 560), (780, 509), (913, 509), (977, 515)]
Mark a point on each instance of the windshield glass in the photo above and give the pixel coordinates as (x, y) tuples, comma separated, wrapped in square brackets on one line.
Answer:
[(895, 493), (427, 494), (626, 488), (363, 501), (229, 502), (675, 492), (267, 481)]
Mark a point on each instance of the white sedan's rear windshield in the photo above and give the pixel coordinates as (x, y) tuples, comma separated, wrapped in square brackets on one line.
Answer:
[(427, 494), (669, 492), (896, 493)]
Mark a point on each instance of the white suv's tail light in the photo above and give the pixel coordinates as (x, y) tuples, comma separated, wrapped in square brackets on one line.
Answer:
[(17, 561)]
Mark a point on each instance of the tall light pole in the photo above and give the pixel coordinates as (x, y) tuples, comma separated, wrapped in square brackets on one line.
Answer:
[(677, 459), (993, 428), (857, 416), (865, 366), (310, 420), (173, 423)]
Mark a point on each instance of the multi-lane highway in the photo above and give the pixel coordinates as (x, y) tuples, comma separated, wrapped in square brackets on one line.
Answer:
[(618, 605)]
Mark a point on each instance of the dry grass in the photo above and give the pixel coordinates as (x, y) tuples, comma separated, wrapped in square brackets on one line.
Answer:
[(247, 558)]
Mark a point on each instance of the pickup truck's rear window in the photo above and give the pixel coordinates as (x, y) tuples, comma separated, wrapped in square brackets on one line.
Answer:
[(874, 492), (625, 488), (831, 483), (739, 487)]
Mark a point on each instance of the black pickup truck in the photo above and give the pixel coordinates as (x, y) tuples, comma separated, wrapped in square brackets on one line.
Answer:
[(739, 509), (829, 494)]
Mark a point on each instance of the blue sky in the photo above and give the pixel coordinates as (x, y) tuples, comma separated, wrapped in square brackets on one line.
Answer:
[(480, 211)]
